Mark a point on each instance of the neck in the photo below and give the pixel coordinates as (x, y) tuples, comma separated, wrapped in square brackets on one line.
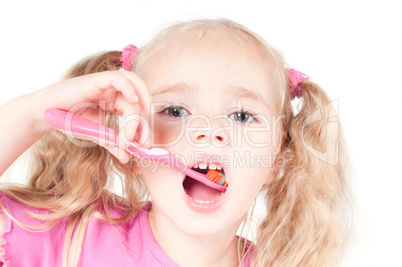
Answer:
[(188, 250)]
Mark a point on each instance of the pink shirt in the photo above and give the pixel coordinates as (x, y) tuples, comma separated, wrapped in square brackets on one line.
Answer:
[(128, 244)]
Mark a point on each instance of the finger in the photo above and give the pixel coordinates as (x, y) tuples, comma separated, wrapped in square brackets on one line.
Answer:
[(130, 120), (114, 79), (117, 152), (97, 115), (128, 130), (92, 87), (144, 133), (141, 90), (120, 154)]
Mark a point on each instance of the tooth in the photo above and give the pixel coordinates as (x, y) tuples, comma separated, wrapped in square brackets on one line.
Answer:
[(196, 166), (199, 201), (203, 166), (219, 167), (212, 166)]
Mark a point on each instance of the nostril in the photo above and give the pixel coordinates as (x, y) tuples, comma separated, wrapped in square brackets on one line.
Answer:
[(220, 138), (201, 136)]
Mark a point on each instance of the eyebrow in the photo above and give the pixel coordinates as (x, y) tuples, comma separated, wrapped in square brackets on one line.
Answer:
[(184, 88), (177, 88), (245, 93)]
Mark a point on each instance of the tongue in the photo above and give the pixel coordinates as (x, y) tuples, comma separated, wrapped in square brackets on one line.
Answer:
[(200, 191)]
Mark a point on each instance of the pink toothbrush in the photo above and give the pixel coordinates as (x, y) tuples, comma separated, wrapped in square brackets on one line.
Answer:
[(79, 127)]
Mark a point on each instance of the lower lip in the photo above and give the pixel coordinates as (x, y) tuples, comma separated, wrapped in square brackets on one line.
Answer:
[(204, 207)]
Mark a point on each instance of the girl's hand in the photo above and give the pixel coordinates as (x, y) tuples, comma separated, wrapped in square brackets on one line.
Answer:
[(122, 92)]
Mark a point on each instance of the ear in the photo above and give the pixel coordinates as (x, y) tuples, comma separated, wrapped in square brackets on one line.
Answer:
[(271, 176), (275, 169)]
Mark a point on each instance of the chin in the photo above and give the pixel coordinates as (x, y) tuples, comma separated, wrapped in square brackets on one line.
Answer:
[(203, 228)]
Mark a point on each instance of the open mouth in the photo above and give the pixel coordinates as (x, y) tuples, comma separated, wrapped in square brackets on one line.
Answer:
[(201, 193)]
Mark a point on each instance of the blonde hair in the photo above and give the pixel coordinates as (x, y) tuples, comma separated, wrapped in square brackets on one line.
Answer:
[(309, 205), (304, 225)]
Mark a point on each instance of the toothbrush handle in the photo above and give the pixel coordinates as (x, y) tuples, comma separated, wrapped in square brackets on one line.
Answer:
[(79, 127)]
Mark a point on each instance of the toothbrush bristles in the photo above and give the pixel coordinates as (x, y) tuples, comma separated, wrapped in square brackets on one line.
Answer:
[(217, 177)]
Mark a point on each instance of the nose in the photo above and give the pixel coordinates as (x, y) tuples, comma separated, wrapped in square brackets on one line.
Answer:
[(209, 132)]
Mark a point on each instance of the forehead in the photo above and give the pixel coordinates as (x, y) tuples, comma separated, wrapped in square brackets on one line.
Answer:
[(213, 63)]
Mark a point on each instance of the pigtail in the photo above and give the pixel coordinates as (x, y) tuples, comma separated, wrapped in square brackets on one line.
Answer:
[(307, 222), (100, 62), (70, 180)]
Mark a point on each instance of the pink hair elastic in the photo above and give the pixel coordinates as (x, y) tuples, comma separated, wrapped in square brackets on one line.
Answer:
[(295, 78), (128, 57)]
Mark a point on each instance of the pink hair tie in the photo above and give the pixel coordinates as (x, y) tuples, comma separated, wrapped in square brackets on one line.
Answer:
[(295, 78), (129, 56)]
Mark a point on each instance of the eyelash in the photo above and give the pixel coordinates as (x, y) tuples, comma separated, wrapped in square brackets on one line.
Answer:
[(251, 115), (166, 109)]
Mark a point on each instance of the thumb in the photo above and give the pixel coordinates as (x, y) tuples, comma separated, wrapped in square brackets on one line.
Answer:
[(119, 153)]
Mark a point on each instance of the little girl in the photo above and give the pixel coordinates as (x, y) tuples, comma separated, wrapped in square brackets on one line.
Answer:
[(215, 95)]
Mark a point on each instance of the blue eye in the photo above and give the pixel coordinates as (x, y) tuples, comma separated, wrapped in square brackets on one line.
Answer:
[(176, 112), (242, 117)]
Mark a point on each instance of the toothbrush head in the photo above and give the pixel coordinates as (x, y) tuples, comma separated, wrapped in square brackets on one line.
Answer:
[(216, 176)]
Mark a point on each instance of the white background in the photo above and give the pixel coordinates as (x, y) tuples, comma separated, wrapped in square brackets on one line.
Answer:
[(353, 49)]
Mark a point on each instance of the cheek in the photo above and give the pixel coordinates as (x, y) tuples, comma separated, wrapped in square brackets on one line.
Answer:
[(257, 141), (247, 184), (255, 159), (262, 141), (158, 177), (167, 133)]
